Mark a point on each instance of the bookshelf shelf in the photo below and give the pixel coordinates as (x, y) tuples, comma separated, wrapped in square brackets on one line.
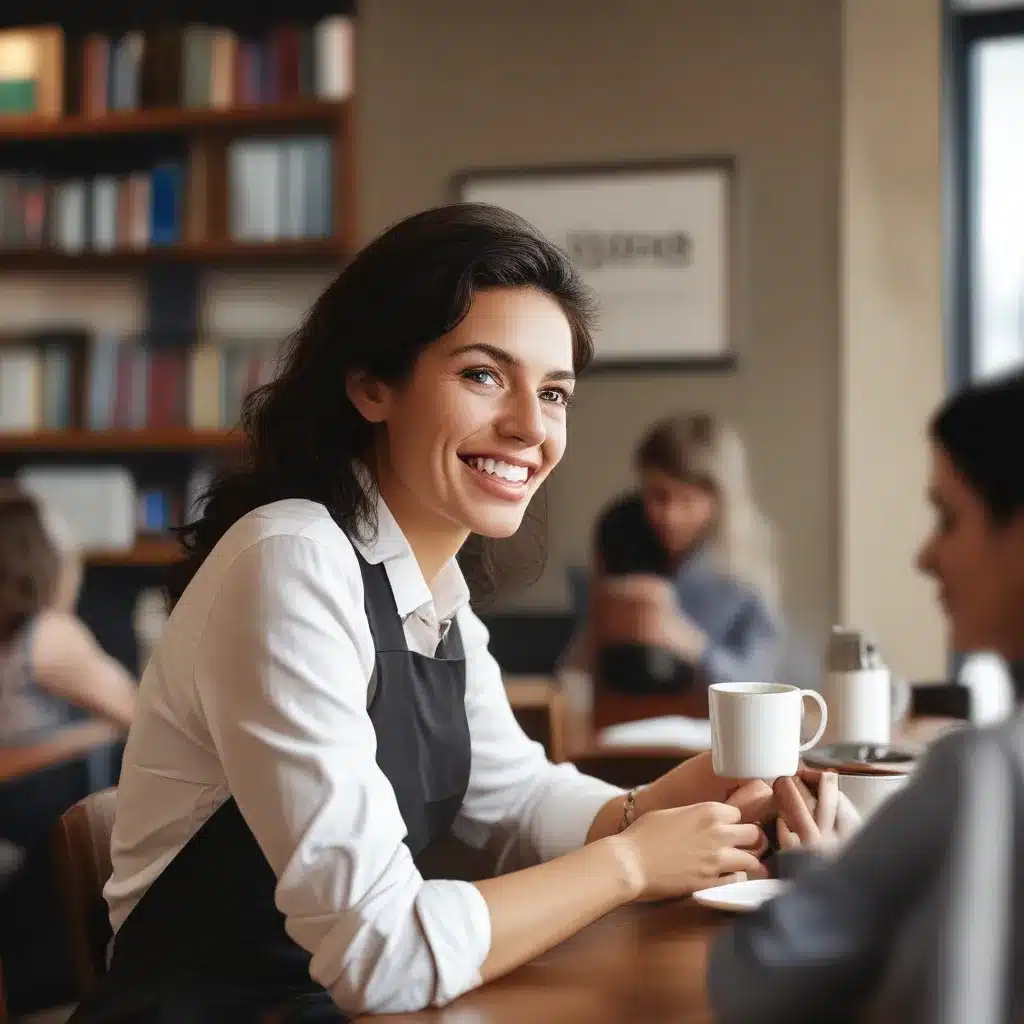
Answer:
[(170, 121), (154, 440), (148, 551), (300, 252), (304, 252)]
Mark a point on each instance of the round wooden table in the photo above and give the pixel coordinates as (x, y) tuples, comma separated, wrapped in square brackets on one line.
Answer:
[(642, 964)]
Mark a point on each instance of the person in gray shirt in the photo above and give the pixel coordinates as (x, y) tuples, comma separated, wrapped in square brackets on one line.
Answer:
[(919, 917)]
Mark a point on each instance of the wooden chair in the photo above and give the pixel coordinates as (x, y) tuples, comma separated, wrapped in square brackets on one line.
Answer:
[(539, 706), (3, 1001), (81, 844), (9, 861)]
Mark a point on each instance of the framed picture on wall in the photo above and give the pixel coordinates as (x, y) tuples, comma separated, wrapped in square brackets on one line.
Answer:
[(656, 242)]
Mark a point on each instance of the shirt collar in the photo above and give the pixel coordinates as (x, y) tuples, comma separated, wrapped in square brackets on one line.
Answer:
[(450, 591)]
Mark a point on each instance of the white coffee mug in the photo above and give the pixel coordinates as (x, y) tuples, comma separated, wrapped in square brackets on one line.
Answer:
[(862, 705), (868, 791), (755, 728)]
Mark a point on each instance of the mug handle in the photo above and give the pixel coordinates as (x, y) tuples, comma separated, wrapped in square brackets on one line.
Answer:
[(814, 695)]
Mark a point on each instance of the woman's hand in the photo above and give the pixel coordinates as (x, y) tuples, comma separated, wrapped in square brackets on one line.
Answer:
[(694, 781), (812, 812), (675, 852)]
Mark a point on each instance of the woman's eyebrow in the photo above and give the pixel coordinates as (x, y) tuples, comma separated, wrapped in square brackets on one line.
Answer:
[(509, 361)]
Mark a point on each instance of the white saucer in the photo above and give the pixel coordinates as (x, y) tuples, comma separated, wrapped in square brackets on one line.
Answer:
[(741, 897)]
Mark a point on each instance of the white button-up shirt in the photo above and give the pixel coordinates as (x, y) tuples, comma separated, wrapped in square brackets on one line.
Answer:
[(257, 690)]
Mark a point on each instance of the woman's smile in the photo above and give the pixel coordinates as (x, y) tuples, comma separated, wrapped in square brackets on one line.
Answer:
[(501, 477)]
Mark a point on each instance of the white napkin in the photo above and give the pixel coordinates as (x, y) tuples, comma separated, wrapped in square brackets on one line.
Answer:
[(664, 731)]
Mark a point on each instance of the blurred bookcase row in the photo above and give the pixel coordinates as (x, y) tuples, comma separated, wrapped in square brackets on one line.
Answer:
[(117, 518), (56, 381), (278, 188), (144, 425), (46, 73)]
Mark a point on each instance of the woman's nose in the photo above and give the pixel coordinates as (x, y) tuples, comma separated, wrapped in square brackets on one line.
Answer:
[(524, 420)]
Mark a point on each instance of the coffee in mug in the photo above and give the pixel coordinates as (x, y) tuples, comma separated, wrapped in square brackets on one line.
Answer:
[(755, 728)]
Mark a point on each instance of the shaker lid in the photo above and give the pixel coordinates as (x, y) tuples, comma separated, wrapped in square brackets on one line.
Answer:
[(851, 649)]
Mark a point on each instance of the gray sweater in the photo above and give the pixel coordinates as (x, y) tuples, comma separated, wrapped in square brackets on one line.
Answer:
[(920, 918)]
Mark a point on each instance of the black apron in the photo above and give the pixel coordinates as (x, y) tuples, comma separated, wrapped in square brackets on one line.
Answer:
[(206, 943)]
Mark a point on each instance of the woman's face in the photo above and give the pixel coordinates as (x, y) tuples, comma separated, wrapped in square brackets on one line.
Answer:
[(481, 421), (979, 566), (681, 513)]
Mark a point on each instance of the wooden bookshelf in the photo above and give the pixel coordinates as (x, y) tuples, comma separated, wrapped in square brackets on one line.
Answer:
[(300, 114), (117, 441), (147, 551)]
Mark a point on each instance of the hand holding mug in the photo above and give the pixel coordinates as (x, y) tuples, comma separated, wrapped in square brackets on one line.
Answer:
[(813, 813), (695, 781), (676, 851)]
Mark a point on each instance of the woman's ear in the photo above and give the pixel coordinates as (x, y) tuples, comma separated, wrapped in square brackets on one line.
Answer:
[(370, 396)]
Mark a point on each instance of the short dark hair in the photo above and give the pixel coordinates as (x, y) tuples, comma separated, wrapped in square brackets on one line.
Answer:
[(29, 561), (981, 429), (401, 293)]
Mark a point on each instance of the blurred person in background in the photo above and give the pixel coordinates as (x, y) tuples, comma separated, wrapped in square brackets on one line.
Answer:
[(683, 583), (923, 911), (50, 663)]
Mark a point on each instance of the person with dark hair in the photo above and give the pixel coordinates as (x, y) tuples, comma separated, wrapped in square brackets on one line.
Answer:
[(683, 581), (50, 663), (322, 709), (920, 916)]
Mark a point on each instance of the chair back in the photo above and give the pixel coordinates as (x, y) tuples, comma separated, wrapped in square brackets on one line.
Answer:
[(539, 706), (81, 845)]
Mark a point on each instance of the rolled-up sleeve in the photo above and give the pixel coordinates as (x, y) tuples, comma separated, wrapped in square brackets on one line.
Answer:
[(281, 676), (543, 809)]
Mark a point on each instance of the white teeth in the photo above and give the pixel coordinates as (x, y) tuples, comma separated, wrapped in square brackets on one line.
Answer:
[(505, 470)]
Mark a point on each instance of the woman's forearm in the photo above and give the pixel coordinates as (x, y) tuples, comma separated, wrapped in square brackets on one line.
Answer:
[(535, 909)]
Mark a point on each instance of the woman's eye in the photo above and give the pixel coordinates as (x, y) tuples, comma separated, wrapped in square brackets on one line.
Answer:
[(557, 396), (480, 376)]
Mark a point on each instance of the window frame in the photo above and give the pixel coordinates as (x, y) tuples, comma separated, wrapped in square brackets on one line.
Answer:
[(963, 30)]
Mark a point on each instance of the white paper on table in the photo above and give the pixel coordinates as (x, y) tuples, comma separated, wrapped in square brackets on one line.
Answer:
[(664, 731)]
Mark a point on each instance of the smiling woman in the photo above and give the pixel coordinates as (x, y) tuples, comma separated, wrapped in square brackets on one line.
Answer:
[(322, 706)]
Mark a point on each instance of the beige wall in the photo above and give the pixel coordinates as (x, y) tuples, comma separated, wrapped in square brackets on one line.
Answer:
[(891, 363), (456, 84)]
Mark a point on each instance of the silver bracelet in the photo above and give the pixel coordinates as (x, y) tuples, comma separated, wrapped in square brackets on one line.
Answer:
[(628, 810)]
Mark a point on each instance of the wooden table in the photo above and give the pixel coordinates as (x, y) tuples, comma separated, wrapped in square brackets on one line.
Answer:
[(578, 735), (642, 964)]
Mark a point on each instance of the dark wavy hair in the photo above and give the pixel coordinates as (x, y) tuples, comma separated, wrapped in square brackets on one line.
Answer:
[(981, 430), (29, 561), (401, 293)]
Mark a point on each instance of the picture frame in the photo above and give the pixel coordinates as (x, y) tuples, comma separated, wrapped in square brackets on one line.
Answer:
[(658, 243)]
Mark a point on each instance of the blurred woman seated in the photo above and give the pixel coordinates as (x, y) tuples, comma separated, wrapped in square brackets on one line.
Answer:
[(921, 915), (50, 666), (683, 578), (50, 663)]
